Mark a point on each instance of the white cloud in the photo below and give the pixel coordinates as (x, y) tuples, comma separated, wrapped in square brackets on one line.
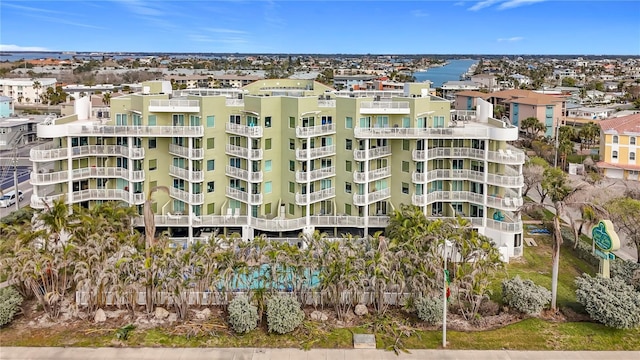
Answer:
[(225, 31), (11, 47), (510, 4), (483, 4), (511, 39), (419, 13), (141, 8)]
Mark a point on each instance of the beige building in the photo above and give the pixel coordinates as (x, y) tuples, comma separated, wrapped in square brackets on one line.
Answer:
[(280, 157), (619, 145)]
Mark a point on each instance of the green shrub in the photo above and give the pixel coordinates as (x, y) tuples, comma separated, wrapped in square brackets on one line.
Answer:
[(609, 301), (283, 314), (627, 271), (10, 302), (525, 296), (429, 309), (243, 317)]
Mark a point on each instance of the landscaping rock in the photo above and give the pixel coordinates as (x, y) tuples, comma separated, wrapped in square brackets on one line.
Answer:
[(204, 314), (100, 316), (361, 310), (173, 317), (161, 313), (318, 316)]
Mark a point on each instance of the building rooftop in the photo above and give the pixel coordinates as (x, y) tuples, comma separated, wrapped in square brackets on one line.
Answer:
[(628, 125)]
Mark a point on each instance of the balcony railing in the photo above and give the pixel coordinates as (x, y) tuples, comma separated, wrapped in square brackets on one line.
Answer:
[(86, 173), (189, 175), (234, 102), (186, 197), (513, 227), (305, 199), (38, 202), (385, 107), (244, 130), (373, 175), (185, 152), (327, 103), (374, 153), (250, 176), (309, 154), (370, 198), (243, 152), (454, 196), (39, 154), (318, 130), (417, 133), (509, 156), (305, 176), (174, 105), (54, 131), (444, 174), (504, 203), (99, 194), (49, 178), (505, 180), (243, 196)]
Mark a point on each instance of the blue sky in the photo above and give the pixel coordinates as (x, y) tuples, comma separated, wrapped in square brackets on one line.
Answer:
[(610, 27)]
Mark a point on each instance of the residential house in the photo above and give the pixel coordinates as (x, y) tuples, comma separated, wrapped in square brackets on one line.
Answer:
[(619, 145)]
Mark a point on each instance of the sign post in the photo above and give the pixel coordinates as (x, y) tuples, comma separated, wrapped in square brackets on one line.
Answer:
[(606, 241)]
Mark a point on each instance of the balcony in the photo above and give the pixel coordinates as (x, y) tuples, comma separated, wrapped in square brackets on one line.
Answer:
[(370, 198), (41, 202), (385, 107), (49, 153), (318, 130), (56, 131), (244, 130), (249, 176), (505, 180), (313, 175), (509, 156), (99, 194), (445, 174), (327, 103), (189, 175), (419, 200), (318, 152), (504, 226), (424, 155), (306, 199), (174, 106), (510, 203), (49, 178), (381, 151), (233, 102), (243, 152), (454, 196), (184, 196), (243, 196), (185, 152), (373, 175), (420, 133)]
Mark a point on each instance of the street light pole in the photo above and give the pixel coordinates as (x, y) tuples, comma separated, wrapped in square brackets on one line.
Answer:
[(555, 162), (447, 243), (15, 177)]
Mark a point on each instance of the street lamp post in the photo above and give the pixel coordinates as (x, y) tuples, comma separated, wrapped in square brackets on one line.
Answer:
[(447, 244)]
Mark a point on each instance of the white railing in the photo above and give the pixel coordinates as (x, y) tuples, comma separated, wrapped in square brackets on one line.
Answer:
[(504, 180), (244, 130), (233, 102), (372, 153), (189, 175), (454, 196), (304, 176), (416, 133), (38, 202), (99, 194), (377, 174), (243, 152), (97, 150), (505, 203), (443, 174), (185, 152), (155, 131), (49, 178), (304, 154), (47, 152), (513, 227), (186, 197), (463, 115), (370, 198), (511, 156), (385, 107), (318, 130), (174, 105), (245, 197), (327, 103), (250, 176), (305, 199), (419, 200)]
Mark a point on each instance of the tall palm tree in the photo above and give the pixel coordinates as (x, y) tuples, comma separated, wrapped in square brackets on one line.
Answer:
[(150, 242)]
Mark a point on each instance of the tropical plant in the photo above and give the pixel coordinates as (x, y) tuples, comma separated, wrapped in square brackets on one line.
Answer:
[(609, 301), (243, 316), (624, 212), (10, 301), (525, 296), (150, 246), (429, 309), (283, 314)]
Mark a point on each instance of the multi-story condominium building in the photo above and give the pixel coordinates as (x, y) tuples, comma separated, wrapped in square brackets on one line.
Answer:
[(16, 131), (26, 90), (619, 145), (281, 157)]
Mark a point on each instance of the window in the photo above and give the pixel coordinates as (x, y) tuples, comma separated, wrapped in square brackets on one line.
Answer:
[(211, 208), (234, 119), (348, 122), (615, 139), (267, 144), (347, 209), (405, 166), (151, 120), (348, 144), (152, 143), (292, 187), (632, 140), (153, 164), (614, 155), (456, 185), (211, 143), (292, 165), (211, 186), (267, 121), (632, 156), (458, 164), (211, 165), (292, 144), (211, 121), (267, 165), (347, 166), (292, 209), (292, 122), (267, 187), (405, 188), (347, 187), (405, 144)]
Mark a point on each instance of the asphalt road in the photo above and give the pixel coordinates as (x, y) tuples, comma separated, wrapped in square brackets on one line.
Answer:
[(27, 189), (6, 177)]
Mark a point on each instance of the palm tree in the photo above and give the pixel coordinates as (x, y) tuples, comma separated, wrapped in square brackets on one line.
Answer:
[(37, 86), (106, 98), (150, 242)]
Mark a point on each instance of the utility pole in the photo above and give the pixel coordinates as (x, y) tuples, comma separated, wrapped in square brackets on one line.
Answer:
[(555, 163), (15, 176)]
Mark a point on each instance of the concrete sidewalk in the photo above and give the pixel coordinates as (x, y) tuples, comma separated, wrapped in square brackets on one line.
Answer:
[(11, 353)]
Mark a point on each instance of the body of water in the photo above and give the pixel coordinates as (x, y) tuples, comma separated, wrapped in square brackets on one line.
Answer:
[(449, 72)]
